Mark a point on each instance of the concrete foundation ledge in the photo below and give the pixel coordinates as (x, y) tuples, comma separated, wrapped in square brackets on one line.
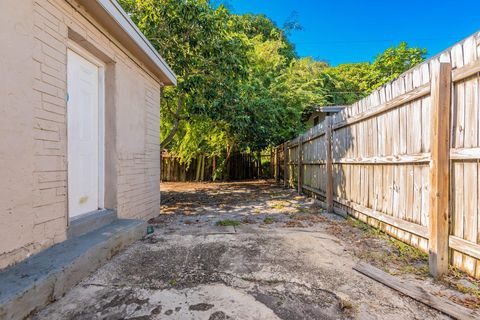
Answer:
[(48, 275)]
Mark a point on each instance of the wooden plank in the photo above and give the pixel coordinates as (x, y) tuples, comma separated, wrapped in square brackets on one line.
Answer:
[(477, 271), (465, 153), (458, 123), (375, 177), (314, 136), (466, 71), (378, 181), (277, 165), (396, 169), (404, 182), (464, 246), (371, 186), (414, 145), (314, 190), (417, 293), (470, 169), (414, 94), (348, 181), (439, 169), (390, 159), (313, 163), (468, 264), (307, 177), (299, 165), (285, 164), (388, 172), (425, 147), (363, 152), (410, 227), (329, 165)]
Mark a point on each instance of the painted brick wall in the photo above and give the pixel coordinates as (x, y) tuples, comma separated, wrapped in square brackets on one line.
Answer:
[(139, 173), (44, 222), (50, 137)]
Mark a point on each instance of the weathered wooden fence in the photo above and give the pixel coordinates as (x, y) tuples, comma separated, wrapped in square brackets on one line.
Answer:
[(242, 166), (404, 159), (278, 161), (200, 169)]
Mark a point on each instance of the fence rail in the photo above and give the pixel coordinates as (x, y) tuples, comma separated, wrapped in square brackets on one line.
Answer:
[(404, 159)]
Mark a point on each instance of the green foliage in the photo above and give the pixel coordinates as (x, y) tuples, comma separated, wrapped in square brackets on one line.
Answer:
[(348, 83), (396, 60), (228, 223), (268, 220), (208, 59), (241, 86), (353, 81)]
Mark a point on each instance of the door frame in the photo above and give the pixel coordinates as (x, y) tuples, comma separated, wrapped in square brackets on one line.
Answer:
[(74, 47)]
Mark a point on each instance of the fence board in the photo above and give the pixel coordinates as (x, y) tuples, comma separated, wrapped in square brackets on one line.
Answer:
[(201, 168), (382, 153)]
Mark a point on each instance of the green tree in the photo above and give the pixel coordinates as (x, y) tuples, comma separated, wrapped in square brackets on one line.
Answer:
[(207, 58), (267, 118), (394, 61), (241, 86), (350, 82)]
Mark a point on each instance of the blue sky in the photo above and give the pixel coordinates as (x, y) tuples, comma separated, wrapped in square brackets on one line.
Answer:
[(354, 31)]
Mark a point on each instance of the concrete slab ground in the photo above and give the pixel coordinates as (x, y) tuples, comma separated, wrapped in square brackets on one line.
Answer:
[(265, 265), (48, 275)]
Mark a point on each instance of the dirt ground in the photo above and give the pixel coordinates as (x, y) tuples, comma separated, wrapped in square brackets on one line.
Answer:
[(253, 250)]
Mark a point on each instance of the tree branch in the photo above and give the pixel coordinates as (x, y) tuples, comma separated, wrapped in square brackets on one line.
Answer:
[(177, 117)]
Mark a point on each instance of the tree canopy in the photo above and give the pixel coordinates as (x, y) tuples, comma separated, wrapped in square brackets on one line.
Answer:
[(241, 85)]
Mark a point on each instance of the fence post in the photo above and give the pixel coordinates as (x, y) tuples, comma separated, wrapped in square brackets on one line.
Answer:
[(300, 165), (259, 165), (439, 168), (272, 164), (277, 165), (162, 169), (285, 164), (329, 165)]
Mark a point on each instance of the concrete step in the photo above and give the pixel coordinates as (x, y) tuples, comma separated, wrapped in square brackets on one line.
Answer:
[(48, 275), (90, 222)]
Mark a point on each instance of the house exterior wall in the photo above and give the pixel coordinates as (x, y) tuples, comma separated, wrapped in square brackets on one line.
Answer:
[(33, 117), (319, 114)]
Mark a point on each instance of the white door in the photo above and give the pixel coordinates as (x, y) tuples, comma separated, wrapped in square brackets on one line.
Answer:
[(83, 109)]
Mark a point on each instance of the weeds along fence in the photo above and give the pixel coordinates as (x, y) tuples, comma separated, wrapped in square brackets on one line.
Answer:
[(241, 166), (404, 159)]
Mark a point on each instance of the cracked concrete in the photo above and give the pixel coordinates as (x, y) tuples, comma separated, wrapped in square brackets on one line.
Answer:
[(192, 269)]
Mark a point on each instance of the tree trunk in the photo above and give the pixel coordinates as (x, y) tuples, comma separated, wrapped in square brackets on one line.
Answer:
[(202, 170), (199, 165), (176, 123), (227, 162), (214, 167)]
